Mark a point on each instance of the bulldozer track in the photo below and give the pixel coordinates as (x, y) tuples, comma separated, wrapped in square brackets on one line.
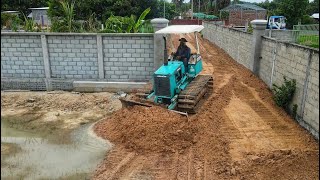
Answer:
[(189, 100)]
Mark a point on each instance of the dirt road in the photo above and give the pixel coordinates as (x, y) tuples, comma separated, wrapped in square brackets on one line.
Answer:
[(239, 133)]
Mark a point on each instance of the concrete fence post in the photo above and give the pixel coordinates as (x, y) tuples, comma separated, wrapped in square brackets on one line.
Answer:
[(305, 84), (158, 23), (259, 27), (46, 62), (100, 57)]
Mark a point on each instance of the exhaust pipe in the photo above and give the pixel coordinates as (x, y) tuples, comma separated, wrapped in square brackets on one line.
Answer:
[(165, 60)]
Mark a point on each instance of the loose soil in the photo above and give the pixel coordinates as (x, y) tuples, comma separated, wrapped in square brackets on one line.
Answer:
[(55, 112), (238, 133)]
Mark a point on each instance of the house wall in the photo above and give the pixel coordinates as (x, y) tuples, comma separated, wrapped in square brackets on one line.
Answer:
[(239, 18)]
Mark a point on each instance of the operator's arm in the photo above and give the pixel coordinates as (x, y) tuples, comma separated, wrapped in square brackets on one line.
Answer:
[(188, 53), (177, 54)]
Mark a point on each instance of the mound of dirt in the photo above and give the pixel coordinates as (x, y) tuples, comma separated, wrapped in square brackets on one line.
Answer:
[(146, 130)]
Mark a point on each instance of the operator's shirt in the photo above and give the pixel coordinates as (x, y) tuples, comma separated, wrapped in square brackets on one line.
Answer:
[(183, 52)]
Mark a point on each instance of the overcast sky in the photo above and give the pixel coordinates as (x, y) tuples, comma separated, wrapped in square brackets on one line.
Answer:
[(243, 0), (257, 1)]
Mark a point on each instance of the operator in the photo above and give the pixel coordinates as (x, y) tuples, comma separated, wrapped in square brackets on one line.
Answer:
[(183, 53)]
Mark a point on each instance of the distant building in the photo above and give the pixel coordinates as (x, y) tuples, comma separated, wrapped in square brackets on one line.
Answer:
[(239, 14), (10, 12), (40, 16), (315, 16)]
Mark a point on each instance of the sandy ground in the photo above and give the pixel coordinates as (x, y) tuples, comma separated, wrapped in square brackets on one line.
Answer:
[(239, 133), (56, 111)]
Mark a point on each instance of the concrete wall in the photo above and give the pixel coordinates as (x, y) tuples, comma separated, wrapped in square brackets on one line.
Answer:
[(235, 42), (294, 62), (40, 61), (278, 59)]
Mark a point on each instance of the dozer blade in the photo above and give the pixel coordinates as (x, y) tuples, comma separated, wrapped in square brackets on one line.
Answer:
[(128, 103), (191, 98)]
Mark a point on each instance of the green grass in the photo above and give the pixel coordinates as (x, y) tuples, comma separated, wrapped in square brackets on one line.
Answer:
[(309, 40)]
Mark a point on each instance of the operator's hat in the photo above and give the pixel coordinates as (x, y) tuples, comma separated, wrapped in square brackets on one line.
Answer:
[(183, 40)]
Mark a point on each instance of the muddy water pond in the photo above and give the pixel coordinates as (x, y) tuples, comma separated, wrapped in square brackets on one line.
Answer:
[(32, 156)]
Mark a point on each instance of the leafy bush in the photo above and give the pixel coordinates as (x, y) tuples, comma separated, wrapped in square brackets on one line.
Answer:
[(65, 23), (146, 27), (30, 25), (92, 24), (283, 94), (118, 24), (250, 28), (10, 21), (294, 110)]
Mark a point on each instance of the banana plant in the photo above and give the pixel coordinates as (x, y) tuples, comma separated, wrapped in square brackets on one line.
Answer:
[(140, 20), (114, 25), (118, 24), (68, 10)]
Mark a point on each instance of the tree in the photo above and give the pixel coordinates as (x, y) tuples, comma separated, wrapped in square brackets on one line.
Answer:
[(170, 10), (293, 10), (313, 7)]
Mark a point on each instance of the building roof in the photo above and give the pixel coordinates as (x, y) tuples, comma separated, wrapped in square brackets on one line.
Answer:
[(177, 29), (315, 15), (204, 16), (10, 12), (40, 8), (246, 6)]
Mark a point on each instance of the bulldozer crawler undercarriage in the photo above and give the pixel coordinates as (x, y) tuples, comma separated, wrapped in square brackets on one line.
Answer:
[(191, 98)]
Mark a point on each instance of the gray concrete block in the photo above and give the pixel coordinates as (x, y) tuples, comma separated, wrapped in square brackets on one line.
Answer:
[(71, 63), (18, 49), (141, 68), (118, 46), (128, 64), (128, 55), (136, 55), (86, 68), (136, 46), (108, 64), (114, 68), (109, 72), (88, 46), (71, 55)]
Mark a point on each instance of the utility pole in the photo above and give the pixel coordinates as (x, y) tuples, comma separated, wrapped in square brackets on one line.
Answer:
[(191, 9), (198, 10), (164, 9)]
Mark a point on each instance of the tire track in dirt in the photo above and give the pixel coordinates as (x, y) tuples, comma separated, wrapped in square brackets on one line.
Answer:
[(260, 128), (118, 161)]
